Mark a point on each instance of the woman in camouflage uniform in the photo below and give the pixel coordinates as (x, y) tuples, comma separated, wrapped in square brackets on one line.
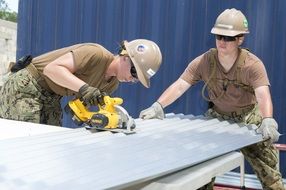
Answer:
[(33, 92), (238, 88)]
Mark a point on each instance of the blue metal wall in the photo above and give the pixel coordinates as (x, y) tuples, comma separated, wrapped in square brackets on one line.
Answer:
[(180, 27)]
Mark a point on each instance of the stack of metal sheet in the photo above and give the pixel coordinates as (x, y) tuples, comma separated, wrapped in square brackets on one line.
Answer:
[(79, 159)]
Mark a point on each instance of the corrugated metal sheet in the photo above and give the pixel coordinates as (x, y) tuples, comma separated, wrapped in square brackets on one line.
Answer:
[(23, 129), (180, 27), (79, 159), (233, 179)]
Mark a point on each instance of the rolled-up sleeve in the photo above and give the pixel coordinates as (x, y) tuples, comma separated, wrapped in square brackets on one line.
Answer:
[(193, 72)]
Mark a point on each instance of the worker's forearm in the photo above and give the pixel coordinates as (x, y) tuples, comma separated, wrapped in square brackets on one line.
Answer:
[(168, 97), (266, 108), (173, 92), (63, 77), (264, 101)]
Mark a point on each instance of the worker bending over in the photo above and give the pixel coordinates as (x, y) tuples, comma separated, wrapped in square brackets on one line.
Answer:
[(33, 92)]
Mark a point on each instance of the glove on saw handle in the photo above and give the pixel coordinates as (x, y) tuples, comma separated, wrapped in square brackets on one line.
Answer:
[(91, 95), (269, 130)]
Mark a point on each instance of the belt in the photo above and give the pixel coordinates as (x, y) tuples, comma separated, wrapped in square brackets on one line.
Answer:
[(237, 113), (36, 75)]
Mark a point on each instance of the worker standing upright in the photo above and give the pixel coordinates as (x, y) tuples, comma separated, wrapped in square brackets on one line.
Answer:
[(238, 90)]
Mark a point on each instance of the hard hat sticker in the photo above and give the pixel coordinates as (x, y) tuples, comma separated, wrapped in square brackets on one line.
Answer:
[(140, 48), (151, 72), (245, 23)]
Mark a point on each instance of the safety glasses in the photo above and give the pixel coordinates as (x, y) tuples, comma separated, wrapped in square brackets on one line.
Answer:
[(226, 38), (133, 71)]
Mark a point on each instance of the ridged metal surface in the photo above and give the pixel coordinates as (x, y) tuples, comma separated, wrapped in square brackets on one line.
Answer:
[(78, 159), (233, 179)]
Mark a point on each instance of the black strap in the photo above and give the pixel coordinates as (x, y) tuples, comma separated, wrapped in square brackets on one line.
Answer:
[(21, 63), (212, 80)]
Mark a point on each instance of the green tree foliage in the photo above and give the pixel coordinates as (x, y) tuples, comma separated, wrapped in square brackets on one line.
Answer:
[(6, 13)]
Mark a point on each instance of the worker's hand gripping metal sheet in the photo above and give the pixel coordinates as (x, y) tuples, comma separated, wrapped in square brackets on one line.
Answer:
[(269, 130), (155, 111)]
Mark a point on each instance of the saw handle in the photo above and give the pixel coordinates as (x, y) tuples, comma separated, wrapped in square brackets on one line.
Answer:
[(91, 96), (109, 103), (100, 99)]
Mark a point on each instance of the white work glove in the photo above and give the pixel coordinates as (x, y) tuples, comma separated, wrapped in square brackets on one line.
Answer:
[(155, 111), (269, 129)]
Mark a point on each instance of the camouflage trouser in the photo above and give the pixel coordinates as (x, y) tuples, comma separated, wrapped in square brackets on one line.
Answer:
[(23, 99), (208, 186), (262, 158)]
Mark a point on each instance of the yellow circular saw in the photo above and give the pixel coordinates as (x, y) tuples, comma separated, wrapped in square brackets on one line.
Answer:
[(110, 116)]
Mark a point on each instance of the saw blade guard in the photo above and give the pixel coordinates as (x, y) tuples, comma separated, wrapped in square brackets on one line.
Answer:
[(125, 121)]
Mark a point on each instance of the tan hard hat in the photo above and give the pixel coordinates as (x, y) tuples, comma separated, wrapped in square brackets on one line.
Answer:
[(146, 57), (230, 22)]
